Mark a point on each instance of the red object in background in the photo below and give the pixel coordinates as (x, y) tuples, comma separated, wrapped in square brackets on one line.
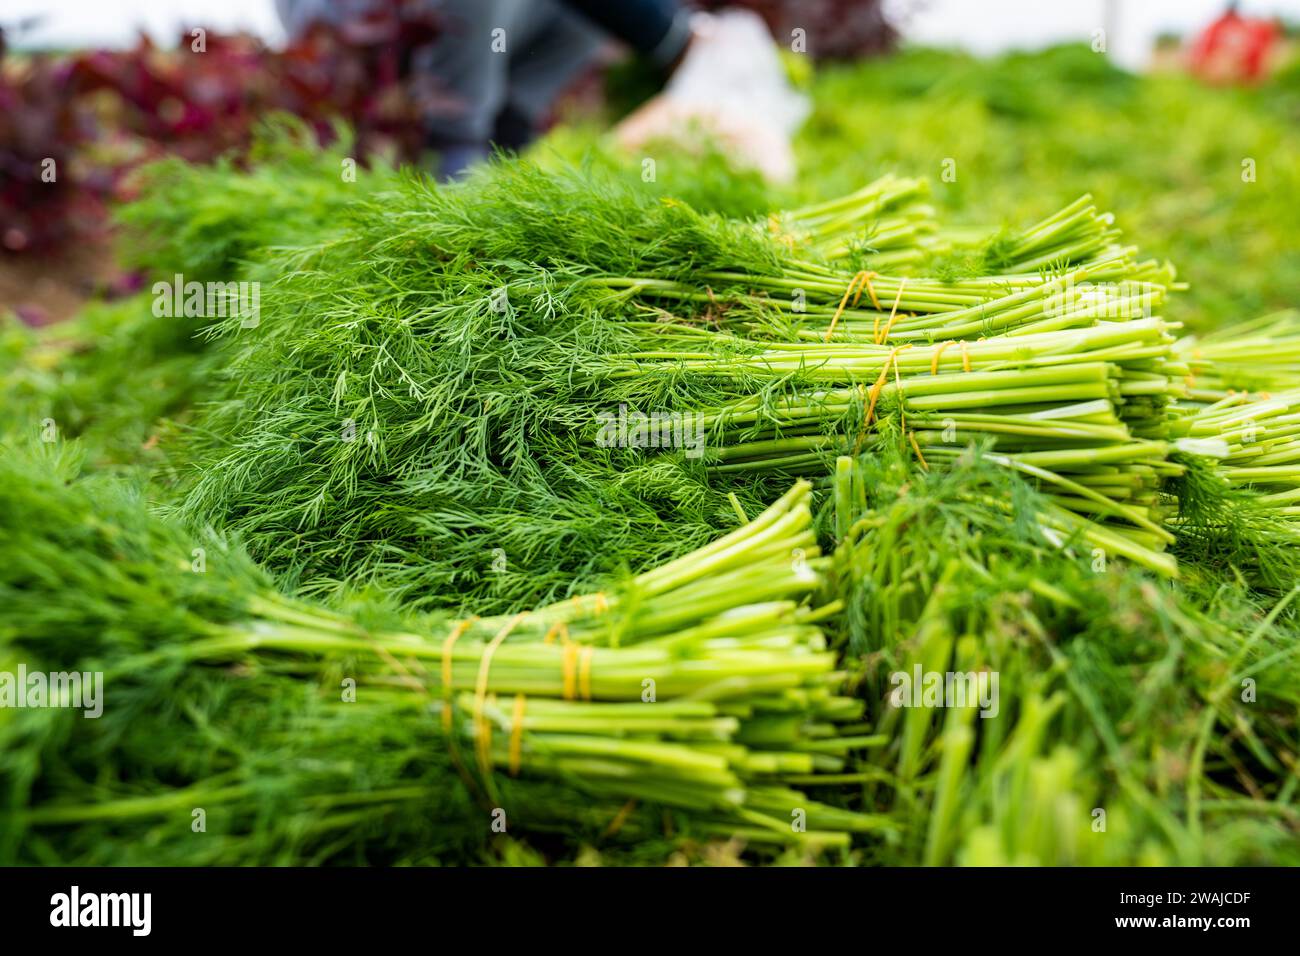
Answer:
[(1234, 48), (72, 127)]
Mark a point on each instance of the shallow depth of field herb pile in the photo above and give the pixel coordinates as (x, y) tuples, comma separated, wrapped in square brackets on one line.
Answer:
[(558, 516)]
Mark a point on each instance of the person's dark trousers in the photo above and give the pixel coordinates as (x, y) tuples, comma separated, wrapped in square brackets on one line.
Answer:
[(500, 65), (658, 29)]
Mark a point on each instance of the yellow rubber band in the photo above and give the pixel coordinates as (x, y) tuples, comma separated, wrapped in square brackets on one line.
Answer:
[(877, 388), (584, 672), (620, 818), (559, 627), (569, 662), (517, 735), (867, 276), (786, 239), (893, 313), (402, 671), (965, 357), (911, 436), (599, 599), (482, 728), (934, 362), (862, 432), (459, 628), (902, 403), (855, 286)]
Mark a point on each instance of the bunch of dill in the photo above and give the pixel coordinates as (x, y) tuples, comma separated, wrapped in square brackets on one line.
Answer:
[(415, 407), (1170, 709)]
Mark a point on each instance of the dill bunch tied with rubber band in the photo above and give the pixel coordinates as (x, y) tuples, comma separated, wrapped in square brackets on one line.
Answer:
[(418, 407), (705, 686), (421, 406)]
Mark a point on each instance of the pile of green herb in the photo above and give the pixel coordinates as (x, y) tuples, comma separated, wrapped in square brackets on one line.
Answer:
[(704, 685), (419, 399), (543, 396)]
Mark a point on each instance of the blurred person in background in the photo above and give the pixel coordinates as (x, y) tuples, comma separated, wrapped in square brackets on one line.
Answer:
[(501, 66)]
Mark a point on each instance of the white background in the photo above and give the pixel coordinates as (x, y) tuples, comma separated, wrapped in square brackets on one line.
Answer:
[(982, 26)]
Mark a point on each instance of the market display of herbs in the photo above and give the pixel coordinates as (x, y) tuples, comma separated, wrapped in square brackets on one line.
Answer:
[(551, 514)]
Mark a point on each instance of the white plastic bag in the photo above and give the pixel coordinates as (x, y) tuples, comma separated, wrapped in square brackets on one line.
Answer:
[(731, 84)]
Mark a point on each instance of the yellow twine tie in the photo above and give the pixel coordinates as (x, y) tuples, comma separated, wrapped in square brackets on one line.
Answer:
[(862, 432), (457, 630), (560, 628), (902, 409), (403, 672), (569, 662), (599, 599), (965, 357), (867, 276), (483, 729), (620, 818), (934, 362), (517, 735), (786, 239), (911, 436), (879, 386), (856, 285), (893, 313), (584, 672)]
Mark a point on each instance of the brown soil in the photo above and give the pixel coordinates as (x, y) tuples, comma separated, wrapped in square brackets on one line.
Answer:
[(44, 288)]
